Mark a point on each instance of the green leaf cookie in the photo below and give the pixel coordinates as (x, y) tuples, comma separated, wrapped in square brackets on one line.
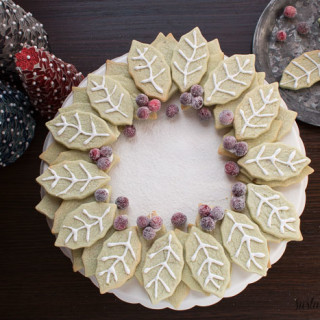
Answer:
[(257, 110), (246, 245), (273, 213), (190, 59), (229, 79), (274, 161), (163, 267), (80, 130), (118, 259), (208, 262), (85, 225), (73, 179)]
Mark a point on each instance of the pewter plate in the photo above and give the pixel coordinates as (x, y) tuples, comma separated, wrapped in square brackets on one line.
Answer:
[(272, 57)]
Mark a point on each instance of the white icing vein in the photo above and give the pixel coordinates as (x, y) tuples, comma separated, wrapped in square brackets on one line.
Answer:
[(93, 134), (72, 179), (246, 238), (108, 98), (148, 65), (118, 258), (208, 261), (185, 71)]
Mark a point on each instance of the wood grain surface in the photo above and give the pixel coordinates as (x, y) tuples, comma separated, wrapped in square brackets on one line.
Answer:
[(37, 281)]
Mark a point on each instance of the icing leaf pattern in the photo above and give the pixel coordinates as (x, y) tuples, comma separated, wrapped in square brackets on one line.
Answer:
[(72, 179), (193, 61), (164, 261), (244, 242), (302, 72), (274, 161), (118, 259)]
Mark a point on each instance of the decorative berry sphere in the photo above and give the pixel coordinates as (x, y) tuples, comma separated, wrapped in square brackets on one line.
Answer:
[(178, 219), (106, 151), (186, 99), (103, 163), (229, 142), (129, 131), (172, 110), (143, 222), (154, 105), (101, 195), (239, 189), (303, 28), (120, 222), (156, 222), (207, 224), (142, 100), (196, 90), (217, 213), (47, 79), (94, 154), (149, 233), (197, 103), (241, 149), (122, 203), (204, 114), (143, 113), (16, 124), (226, 117), (238, 203), (204, 210), (290, 12), (281, 36), (231, 168)]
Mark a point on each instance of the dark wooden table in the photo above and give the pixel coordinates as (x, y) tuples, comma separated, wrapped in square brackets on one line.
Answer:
[(37, 281)]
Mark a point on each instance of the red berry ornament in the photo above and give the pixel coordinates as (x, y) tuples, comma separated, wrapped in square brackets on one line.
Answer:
[(154, 105), (303, 28), (281, 36), (94, 154), (143, 113), (231, 168), (290, 12), (129, 131)]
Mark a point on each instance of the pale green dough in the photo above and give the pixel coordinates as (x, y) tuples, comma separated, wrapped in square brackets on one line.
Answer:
[(48, 205)]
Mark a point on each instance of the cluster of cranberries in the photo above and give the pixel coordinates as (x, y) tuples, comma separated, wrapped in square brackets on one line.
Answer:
[(231, 144), (121, 221), (150, 226), (146, 106), (209, 217), (238, 200), (194, 99), (303, 28), (102, 157)]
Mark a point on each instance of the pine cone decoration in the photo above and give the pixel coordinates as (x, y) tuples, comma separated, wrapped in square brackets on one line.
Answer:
[(47, 79), (16, 124), (17, 28)]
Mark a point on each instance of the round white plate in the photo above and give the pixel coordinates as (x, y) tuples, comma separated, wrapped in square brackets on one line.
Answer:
[(132, 292)]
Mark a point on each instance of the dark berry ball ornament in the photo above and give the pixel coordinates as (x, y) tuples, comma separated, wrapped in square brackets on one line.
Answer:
[(226, 117), (239, 189), (103, 163), (229, 142), (143, 222), (231, 168), (197, 103), (101, 195), (142, 100), (204, 114), (143, 113), (120, 222), (178, 219), (106, 151), (204, 210), (129, 131), (94, 154), (122, 203), (241, 149), (238, 203), (47, 79), (154, 105), (281, 36), (207, 224), (149, 233), (16, 124), (172, 110), (156, 222), (217, 213), (186, 99), (290, 12), (196, 90), (303, 28)]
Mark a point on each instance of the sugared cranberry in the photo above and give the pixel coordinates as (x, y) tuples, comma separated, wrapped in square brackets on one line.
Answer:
[(207, 224), (196, 90), (229, 142), (122, 203), (106, 151), (231, 168), (204, 114), (172, 110), (94, 154), (238, 203), (129, 131), (204, 210), (178, 219), (241, 149), (103, 163), (148, 233), (156, 222), (101, 195), (143, 113), (281, 36), (239, 189), (303, 28), (290, 12), (143, 222), (186, 99), (154, 105), (226, 117), (142, 100), (197, 103), (217, 213), (120, 222)]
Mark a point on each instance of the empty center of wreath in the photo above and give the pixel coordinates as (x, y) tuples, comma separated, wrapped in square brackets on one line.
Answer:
[(169, 166)]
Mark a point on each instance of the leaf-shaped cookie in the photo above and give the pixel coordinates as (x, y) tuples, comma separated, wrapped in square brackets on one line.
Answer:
[(48, 205), (118, 259), (190, 59), (229, 79), (257, 110), (246, 245), (149, 70), (110, 99), (80, 130), (302, 72), (85, 225), (274, 161), (73, 179), (273, 213), (163, 267), (208, 262)]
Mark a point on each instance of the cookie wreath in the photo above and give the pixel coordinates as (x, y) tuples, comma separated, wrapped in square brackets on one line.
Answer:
[(204, 257)]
